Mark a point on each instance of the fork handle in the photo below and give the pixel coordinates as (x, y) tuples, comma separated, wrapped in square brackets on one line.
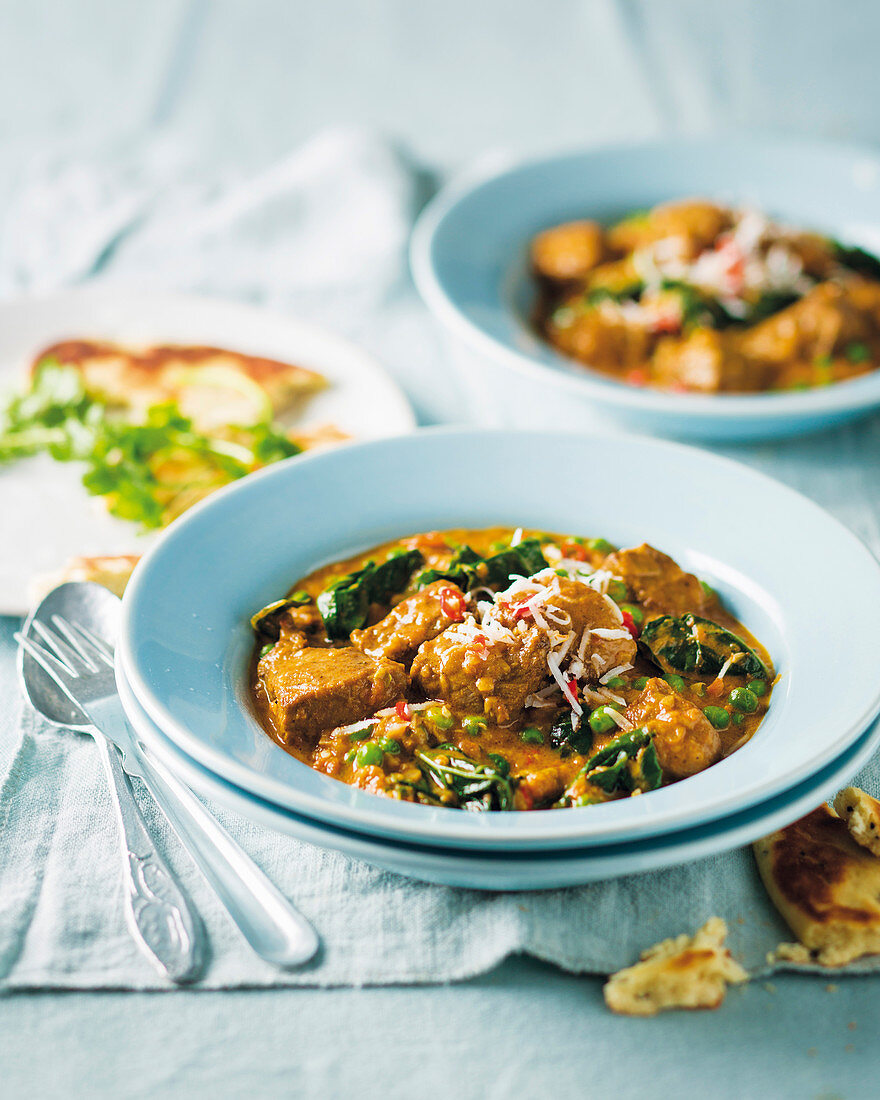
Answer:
[(156, 910), (264, 916)]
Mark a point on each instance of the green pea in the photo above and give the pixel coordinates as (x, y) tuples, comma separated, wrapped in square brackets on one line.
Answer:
[(675, 682), (744, 700), (718, 716), (738, 719), (759, 687), (601, 546), (532, 736), (389, 745), (267, 648), (563, 317), (441, 718), (641, 683), (615, 682), (474, 725), (617, 590), (586, 800), (501, 764), (368, 754), (601, 720), (301, 596), (857, 353), (638, 616)]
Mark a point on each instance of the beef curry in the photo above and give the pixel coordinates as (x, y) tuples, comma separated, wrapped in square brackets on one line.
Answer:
[(507, 670), (695, 297)]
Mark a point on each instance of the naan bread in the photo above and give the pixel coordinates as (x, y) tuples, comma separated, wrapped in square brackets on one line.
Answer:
[(113, 572), (211, 385), (825, 885), (862, 816), (684, 972)]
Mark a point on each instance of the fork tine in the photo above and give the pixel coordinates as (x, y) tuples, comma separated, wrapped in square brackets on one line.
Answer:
[(87, 645), (62, 651), (59, 672)]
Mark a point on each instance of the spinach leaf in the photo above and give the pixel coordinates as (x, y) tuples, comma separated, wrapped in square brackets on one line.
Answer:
[(344, 605), (265, 621), (393, 575), (599, 294), (477, 787), (468, 570), (627, 763), (563, 736), (856, 259), (770, 302), (693, 644), (457, 572)]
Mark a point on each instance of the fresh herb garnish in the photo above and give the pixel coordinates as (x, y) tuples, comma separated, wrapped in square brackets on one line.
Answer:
[(148, 471)]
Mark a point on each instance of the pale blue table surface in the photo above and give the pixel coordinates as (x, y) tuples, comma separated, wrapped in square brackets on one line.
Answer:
[(245, 83)]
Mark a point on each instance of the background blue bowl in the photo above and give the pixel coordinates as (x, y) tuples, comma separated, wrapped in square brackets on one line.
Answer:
[(469, 258)]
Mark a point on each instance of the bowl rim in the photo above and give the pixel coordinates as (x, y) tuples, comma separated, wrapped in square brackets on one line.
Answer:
[(577, 378), (689, 844), (374, 814)]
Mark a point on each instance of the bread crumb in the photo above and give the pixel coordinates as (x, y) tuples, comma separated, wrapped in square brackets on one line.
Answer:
[(861, 813), (684, 972)]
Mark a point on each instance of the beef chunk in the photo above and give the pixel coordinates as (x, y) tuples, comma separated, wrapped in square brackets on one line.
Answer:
[(413, 621), (568, 251), (685, 740), (820, 323), (706, 361), (480, 676), (575, 606), (310, 690), (658, 582)]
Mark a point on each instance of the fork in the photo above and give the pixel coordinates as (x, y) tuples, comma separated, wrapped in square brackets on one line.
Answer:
[(82, 664)]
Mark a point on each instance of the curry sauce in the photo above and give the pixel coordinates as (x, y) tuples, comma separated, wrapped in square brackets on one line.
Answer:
[(503, 669)]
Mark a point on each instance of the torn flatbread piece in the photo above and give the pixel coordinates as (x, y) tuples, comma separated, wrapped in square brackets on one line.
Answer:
[(861, 813), (825, 885), (684, 972), (213, 386)]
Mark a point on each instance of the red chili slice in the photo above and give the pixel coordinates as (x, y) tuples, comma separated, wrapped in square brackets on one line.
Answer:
[(453, 604), (403, 711), (630, 624)]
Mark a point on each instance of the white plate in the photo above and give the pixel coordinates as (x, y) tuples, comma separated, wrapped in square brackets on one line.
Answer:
[(47, 515), (796, 577), (493, 870)]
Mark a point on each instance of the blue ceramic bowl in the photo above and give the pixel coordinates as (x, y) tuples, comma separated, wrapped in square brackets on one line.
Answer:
[(185, 639), (469, 258)]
